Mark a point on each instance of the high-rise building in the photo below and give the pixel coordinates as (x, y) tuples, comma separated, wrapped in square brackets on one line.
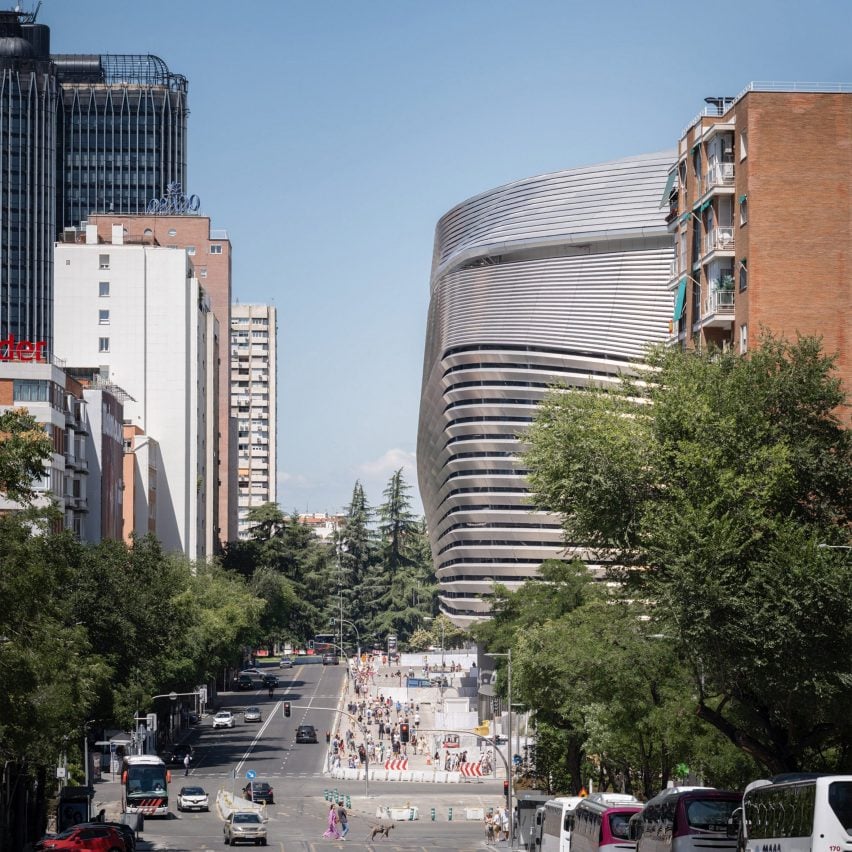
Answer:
[(560, 278), (209, 252), (758, 202), (122, 134), (28, 102), (254, 385), (136, 314)]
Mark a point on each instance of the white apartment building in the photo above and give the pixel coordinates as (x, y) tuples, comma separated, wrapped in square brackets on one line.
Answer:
[(254, 382), (136, 314)]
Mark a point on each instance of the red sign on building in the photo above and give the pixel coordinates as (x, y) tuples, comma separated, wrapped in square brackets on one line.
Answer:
[(22, 350)]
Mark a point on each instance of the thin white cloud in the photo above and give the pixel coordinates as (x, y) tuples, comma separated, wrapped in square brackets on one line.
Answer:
[(387, 463)]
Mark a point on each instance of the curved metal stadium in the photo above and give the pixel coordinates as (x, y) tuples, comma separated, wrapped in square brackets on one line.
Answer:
[(560, 278)]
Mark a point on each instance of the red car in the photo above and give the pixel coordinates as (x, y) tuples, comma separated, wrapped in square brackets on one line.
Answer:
[(92, 838)]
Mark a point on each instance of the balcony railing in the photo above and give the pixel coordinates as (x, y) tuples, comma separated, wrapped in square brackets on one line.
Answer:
[(719, 174), (719, 239), (718, 302)]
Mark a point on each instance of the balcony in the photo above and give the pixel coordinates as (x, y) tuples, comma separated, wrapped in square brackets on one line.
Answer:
[(719, 175), (717, 310), (719, 241)]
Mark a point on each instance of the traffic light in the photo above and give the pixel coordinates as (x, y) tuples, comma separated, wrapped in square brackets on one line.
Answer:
[(286, 708), (403, 732), (506, 793)]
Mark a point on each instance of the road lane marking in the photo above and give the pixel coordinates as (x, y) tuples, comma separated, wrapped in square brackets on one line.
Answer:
[(256, 740)]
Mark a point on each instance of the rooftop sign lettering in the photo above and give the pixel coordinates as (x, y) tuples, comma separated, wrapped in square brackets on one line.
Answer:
[(174, 202), (21, 350)]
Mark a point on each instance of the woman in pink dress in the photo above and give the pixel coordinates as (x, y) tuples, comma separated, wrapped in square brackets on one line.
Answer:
[(331, 832)]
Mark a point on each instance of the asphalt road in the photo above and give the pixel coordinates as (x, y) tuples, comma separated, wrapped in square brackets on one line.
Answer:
[(297, 817)]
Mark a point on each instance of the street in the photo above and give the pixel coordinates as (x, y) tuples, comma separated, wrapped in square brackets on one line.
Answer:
[(297, 818)]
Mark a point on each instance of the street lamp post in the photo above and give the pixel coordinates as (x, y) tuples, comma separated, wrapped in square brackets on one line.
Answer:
[(510, 790), (357, 634)]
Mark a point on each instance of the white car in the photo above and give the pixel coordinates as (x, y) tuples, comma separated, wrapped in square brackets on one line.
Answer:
[(192, 799), (224, 719), (252, 714)]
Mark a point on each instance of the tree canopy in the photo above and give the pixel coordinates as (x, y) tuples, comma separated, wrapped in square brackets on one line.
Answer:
[(712, 480)]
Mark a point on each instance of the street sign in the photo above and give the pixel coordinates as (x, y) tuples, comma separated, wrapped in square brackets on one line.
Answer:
[(251, 775)]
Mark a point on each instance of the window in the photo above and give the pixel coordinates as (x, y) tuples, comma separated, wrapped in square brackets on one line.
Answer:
[(216, 248), (103, 317), (743, 209), (202, 271), (31, 390), (103, 261), (743, 144), (743, 339), (190, 250), (68, 262), (103, 289), (103, 344), (743, 275)]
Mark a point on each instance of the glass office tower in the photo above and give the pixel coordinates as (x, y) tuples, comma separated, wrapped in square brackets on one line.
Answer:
[(28, 98), (122, 133)]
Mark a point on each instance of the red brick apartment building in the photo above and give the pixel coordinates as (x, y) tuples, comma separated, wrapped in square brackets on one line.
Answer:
[(761, 212)]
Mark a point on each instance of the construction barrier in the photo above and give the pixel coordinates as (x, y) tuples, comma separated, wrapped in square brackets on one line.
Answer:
[(397, 763), (470, 770)]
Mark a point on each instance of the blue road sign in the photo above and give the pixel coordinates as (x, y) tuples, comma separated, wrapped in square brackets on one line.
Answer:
[(251, 775)]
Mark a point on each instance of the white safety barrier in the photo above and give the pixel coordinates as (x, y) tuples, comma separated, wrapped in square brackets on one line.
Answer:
[(440, 776), (393, 774), (474, 813), (453, 777), (405, 775), (400, 814)]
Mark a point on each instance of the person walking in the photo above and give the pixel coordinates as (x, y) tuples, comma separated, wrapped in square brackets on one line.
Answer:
[(331, 833), (186, 761), (342, 820)]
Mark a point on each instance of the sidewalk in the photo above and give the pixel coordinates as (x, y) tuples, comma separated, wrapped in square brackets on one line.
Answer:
[(430, 711)]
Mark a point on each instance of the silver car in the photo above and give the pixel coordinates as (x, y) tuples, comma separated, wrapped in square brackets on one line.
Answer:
[(245, 827), (252, 714)]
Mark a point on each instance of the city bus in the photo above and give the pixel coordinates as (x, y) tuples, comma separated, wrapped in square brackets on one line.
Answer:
[(797, 813), (558, 821), (325, 643), (601, 823), (687, 819), (145, 785)]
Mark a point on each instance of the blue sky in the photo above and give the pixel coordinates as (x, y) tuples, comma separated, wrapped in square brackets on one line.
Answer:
[(329, 137)]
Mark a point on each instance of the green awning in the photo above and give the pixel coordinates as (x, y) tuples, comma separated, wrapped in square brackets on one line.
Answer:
[(705, 205), (743, 198), (692, 149), (680, 299), (669, 186), (685, 217)]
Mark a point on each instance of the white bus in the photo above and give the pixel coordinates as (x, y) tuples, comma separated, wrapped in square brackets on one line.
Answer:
[(145, 781), (687, 819), (558, 820), (797, 813)]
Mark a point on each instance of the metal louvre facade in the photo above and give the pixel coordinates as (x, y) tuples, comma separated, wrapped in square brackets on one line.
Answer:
[(560, 278)]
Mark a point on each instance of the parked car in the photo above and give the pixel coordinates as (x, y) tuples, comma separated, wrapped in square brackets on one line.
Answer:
[(286, 663), (245, 827), (224, 719), (306, 734), (252, 714), (270, 680), (330, 659), (259, 791), (193, 799), (179, 752), (89, 836)]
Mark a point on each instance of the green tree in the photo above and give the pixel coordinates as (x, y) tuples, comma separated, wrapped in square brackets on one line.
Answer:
[(720, 476), (355, 549), (24, 450), (397, 524)]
